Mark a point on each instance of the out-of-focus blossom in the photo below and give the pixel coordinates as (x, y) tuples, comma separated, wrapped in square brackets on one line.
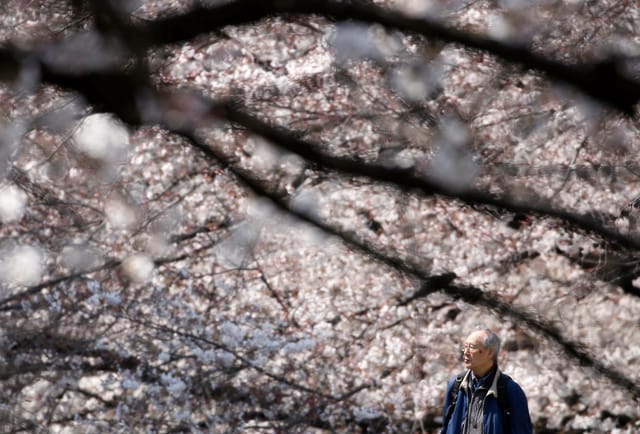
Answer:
[(453, 167), (102, 137), (261, 209), (10, 136), (243, 239), (138, 268), (12, 203), (418, 81), (60, 119), (78, 257), (354, 41), (119, 212), (306, 202), (221, 55), (265, 156), (22, 265), (84, 52), (29, 76)]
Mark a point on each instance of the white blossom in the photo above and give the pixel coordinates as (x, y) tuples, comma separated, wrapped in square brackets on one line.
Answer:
[(22, 265), (138, 268), (101, 137), (120, 213), (12, 203)]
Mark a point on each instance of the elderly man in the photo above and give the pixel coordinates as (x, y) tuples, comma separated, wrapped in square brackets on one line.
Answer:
[(483, 400)]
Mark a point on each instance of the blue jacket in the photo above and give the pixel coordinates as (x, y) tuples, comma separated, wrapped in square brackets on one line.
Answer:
[(520, 419)]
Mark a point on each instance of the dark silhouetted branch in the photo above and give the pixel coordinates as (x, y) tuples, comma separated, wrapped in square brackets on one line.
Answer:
[(407, 179), (603, 81)]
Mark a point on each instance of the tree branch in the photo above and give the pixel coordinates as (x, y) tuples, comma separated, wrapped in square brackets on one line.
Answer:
[(407, 179), (603, 81)]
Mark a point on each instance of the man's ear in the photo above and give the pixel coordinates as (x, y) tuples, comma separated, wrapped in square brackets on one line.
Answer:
[(492, 352)]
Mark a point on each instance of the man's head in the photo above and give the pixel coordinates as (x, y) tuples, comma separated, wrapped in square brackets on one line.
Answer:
[(480, 351)]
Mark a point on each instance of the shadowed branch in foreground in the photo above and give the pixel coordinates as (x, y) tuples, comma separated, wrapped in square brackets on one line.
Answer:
[(603, 81)]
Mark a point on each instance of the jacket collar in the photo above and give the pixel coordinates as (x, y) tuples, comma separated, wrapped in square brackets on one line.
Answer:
[(493, 390), (494, 385)]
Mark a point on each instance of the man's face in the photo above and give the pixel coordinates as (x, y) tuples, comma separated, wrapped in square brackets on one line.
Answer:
[(475, 356)]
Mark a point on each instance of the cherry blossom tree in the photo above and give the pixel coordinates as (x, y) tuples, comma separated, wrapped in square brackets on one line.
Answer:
[(284, 216)]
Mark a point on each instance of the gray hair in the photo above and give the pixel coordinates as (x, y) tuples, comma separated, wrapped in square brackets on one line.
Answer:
[(492, 340)]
